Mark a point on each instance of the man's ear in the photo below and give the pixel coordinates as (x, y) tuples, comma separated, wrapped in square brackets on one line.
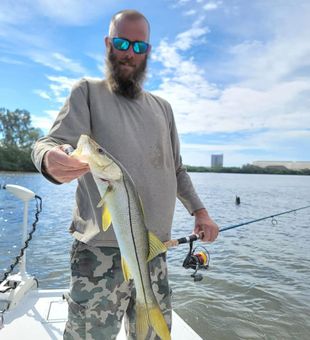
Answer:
[(107, 42), (149, 49)]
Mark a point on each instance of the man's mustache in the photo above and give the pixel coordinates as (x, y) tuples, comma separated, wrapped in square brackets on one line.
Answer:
[(127, 62)]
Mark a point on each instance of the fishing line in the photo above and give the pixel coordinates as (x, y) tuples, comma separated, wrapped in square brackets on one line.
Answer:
[(274, 221)]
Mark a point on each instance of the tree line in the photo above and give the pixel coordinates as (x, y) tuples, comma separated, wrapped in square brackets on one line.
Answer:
[(249, 169), (16, 139)]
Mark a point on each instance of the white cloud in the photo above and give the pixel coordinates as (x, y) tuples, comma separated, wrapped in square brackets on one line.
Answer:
[(262, 64), (199, 107), (284, 139), (43, 123), (42, 94), (190, 12), (60, 87), (36, 47), (57, 61), (46, 60), (266, 94), (59, 90), (187, 39), (69, 64), (211, 6), (52, 113), (179, 3)]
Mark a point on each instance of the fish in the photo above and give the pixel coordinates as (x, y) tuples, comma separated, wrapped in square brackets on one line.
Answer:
[(122, 207)]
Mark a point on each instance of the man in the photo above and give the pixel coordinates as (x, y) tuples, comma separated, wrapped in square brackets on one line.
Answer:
[(138, 129)]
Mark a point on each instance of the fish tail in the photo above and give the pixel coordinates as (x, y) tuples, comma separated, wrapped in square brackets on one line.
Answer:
[(142, 322), (159, 323), (154, 317)]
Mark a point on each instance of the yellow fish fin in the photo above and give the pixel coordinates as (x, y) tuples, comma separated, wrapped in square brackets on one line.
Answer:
[(126, 271), (142, 321), (158, 323), (106, 218), (156, 246)]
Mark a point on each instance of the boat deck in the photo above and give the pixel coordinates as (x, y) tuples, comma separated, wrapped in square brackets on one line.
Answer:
[(42, 315)]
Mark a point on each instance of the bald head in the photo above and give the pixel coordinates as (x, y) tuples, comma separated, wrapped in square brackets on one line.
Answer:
[(127, 15)]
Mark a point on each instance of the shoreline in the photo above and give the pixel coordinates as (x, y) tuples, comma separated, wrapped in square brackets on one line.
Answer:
[(228, 170)]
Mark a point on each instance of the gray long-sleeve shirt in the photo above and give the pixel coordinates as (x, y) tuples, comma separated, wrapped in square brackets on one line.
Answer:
[(141, 134)]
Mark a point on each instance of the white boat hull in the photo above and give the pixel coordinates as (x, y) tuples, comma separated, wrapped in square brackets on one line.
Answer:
[(42, 314)]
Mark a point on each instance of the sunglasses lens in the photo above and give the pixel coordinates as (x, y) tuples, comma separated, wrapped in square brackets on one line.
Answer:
[(140, 47), (120, 44)]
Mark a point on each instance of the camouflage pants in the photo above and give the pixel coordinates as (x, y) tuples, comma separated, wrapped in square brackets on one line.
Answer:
[(99, 297)]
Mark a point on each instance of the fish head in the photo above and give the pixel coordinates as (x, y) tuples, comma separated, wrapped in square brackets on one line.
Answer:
[(101, 165)]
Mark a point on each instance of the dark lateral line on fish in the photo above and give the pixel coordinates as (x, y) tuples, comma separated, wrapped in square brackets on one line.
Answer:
[(132, 235)]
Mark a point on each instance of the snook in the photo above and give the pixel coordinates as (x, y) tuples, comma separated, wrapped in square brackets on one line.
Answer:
[(122, 206)]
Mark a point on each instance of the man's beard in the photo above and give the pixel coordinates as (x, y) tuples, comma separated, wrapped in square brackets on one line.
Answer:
[(128, 86)]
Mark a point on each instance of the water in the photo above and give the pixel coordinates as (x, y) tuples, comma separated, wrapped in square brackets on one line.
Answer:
[(257, 286)]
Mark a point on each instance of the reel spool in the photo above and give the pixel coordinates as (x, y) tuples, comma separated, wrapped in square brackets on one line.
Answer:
[(197, 259)]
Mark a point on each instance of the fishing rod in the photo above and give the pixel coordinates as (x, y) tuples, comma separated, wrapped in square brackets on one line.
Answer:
[(200, 260), (262, 218)]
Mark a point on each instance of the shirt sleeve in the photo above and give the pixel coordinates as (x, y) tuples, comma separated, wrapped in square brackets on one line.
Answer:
[(185, 190), (73, 120)]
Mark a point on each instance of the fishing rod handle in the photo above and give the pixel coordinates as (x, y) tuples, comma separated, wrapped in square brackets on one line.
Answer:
[(187, 239), (182, 240)]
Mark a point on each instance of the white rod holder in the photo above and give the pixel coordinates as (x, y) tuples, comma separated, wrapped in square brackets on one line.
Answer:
[(24, 195), (20, 192), (22, 263)]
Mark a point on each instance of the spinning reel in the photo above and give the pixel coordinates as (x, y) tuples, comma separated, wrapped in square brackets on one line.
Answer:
[(197, 259)]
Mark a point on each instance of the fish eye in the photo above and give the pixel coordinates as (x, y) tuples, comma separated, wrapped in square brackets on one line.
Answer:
[(100, 150)]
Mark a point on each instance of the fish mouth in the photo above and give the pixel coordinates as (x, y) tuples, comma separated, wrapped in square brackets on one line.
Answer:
[(104, 179)]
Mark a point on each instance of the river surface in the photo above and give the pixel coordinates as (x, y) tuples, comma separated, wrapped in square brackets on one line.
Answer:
[(258, 282)]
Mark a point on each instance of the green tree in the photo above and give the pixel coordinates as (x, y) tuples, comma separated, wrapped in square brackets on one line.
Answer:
[(16, 129), (16, 139)]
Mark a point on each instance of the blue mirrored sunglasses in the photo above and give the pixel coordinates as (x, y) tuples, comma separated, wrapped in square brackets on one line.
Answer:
[(122, 44)]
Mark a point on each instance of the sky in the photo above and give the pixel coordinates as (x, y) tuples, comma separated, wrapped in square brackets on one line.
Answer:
[(236, 72)]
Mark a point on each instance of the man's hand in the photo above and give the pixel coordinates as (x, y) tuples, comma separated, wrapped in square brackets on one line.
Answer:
[(204, 226), (62, 167)]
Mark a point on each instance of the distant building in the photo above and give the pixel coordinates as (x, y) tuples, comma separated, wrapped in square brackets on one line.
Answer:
[(217, 161), (287, 164)]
